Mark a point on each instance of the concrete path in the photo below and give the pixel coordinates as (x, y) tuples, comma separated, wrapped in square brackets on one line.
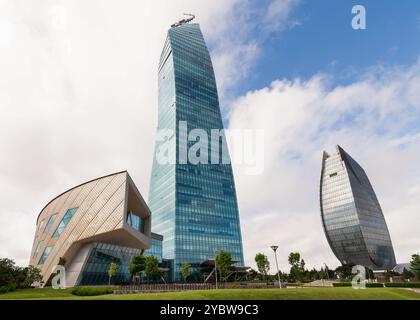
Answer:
[(320, 283)]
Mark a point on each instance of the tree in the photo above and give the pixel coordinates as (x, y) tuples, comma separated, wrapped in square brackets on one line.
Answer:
[(19, 276), (252, 274), (283, 276), (297, 270), (302, 265), (345, 271), (195, 276), (224, 263), (12, 276), (329, 273), (315, 274), (137, 265), (7, 272), (152, 267), (407, 274), (294, 259), (185, 270), (33, 274), (415, 265), (112, 270), (263, 265)]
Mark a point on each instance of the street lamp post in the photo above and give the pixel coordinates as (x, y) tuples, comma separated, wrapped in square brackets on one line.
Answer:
[(274, 248), (215, 270)]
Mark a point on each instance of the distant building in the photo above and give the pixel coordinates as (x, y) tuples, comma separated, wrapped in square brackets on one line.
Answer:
[(101, 221), (194, 206), (399, 268), (352, 217)]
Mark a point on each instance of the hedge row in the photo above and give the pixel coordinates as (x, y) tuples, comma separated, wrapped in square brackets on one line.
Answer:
[(381, 285), (368, 285), (374, 285), (92, 291), (342, 284), (402, 284)]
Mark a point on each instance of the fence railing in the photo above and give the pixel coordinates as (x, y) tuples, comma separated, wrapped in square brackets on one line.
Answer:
[(164, 287), (158, 287)]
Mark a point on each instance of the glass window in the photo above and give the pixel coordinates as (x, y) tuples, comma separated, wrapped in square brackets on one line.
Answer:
[(66, 219), (37, 248), (135, 221), (50, 222), (45, 255)]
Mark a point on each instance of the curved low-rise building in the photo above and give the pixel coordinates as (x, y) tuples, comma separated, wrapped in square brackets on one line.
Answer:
[(87, 225), (352, 217)]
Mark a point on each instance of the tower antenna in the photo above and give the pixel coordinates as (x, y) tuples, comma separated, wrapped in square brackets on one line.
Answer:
[(184, 21)]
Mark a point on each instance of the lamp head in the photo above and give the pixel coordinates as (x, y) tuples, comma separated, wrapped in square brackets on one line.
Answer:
[(274, 248)]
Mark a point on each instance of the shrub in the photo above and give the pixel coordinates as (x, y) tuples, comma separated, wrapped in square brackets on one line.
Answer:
[(12, 287), (342, 284), (402, 284), (4, 289), (9, 288), (92, 291), (368, 285), (374, 285)]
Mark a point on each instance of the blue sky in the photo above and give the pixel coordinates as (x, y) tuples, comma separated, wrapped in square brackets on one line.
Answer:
[(323, 41)]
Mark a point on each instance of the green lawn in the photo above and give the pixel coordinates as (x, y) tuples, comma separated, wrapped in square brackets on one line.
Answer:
[(232, 294)]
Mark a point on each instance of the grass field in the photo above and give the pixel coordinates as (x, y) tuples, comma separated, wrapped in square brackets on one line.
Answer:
[(231, 294)]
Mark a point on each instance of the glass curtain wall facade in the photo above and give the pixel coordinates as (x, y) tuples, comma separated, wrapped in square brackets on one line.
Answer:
[(352, 217), (194, 206), (95, 271)]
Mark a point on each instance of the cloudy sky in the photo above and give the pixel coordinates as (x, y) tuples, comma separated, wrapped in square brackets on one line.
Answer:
[(78, 99)]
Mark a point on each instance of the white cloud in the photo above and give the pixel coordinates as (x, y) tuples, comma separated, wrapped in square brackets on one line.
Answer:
[(302, 118), (78, 95), (278, 15), (239, 43)]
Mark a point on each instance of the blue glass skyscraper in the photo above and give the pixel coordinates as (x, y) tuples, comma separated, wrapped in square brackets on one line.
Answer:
[(193, 206)]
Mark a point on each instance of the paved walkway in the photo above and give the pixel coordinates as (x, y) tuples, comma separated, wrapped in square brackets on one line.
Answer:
[(320, 283), (415, 290)]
